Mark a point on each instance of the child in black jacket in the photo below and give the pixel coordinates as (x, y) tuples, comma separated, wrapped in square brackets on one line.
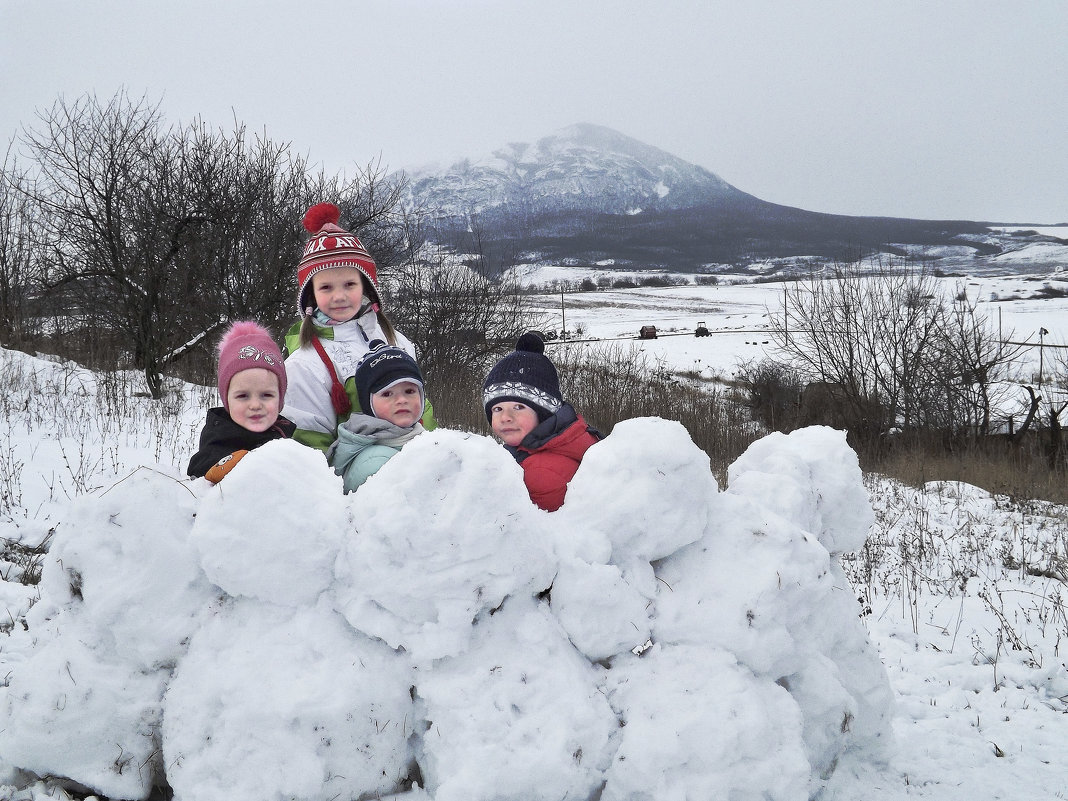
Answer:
[(252, 385)]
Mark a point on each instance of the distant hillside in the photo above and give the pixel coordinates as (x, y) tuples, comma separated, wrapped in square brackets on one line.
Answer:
[(586, 168), (590, 195)]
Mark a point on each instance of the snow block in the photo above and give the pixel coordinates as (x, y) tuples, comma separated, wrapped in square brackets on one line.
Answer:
[(281, 509), (812, 478), (279, 704), (443, 533)]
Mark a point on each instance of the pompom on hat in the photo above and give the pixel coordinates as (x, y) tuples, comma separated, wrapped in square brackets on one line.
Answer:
[(526, 375), (382, 367), (329, 246), (245, 346)]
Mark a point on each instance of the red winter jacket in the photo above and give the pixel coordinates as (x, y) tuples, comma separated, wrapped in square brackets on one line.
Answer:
[(550, 456)]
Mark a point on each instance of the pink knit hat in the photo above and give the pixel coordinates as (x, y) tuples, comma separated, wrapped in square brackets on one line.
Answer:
[(245, 346)]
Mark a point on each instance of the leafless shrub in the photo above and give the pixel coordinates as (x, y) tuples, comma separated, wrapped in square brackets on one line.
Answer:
[(610, 383), (773, 393), (898, 353)]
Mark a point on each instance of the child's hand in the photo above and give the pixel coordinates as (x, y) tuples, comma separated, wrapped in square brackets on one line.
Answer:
[(219, 470)]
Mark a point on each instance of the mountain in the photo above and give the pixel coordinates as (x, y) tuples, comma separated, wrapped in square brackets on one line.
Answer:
[(580, 168), (589, 195)]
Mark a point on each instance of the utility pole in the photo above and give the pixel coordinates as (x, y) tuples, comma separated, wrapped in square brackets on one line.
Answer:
[(785, 318), (563, 317), (1041, 342)]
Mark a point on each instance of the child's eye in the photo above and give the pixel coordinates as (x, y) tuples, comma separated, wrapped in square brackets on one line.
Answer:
[(411, 391)]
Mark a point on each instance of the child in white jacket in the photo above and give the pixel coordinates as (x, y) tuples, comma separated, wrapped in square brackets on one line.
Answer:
[(340, 316)]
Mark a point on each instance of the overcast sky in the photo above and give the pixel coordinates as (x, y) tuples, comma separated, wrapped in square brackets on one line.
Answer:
[(913, 108)]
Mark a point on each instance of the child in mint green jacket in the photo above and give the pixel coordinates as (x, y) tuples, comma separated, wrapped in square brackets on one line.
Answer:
[(390, 389)]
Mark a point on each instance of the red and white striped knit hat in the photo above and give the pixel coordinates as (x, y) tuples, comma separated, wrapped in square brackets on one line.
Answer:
[(331, 246)]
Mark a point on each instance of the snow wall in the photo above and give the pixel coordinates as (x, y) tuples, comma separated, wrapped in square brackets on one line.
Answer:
[(272, 638)]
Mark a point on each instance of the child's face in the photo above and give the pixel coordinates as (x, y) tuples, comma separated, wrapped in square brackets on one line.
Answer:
[(512, 421), (400, 404), (338, 292), (252, 399)]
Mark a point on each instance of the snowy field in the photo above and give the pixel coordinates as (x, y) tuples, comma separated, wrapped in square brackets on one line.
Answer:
[(801, 633), (736, 315)]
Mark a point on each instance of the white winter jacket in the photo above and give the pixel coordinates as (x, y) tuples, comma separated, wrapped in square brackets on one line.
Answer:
[(308, 394)]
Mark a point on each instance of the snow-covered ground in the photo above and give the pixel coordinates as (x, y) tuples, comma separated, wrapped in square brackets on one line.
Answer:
[(799, 633), (1018, 307)]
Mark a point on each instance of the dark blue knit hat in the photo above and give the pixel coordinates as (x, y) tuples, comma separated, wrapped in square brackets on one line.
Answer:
[(526, 375), (382, 367)]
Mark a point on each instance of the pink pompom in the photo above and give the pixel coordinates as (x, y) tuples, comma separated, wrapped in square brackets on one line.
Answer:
[(244, 328)]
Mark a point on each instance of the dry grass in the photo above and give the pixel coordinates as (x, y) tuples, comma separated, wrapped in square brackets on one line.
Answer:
[(1017, 474), (615, 382)]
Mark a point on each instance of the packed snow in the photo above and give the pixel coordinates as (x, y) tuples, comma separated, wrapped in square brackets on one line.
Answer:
[(273, 638)]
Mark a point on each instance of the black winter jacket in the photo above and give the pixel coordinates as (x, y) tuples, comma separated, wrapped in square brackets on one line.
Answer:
[(221, 436)]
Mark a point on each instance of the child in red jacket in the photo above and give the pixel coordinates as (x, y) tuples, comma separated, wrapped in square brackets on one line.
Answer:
[(526, 411)]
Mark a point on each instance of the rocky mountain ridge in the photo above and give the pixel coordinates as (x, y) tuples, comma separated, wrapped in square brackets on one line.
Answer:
[(590, 195)]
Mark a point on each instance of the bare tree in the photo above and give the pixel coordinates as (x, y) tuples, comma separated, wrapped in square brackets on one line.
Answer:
[(19, 281), (153, 236), (114, 217), (371, 202), (250, 191), (459, 316), (976, 368), (894, 349)]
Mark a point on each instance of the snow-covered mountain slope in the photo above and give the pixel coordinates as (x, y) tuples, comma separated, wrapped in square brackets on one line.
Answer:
[(583, 166), (589, 195)]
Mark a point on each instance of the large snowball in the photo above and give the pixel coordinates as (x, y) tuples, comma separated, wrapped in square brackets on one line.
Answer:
[(519, 716), (812, 478), (646, 487), (700, 726), (750, 586), (279, 704), (272, 528), (69, 713), (443, 532), (602, 611), (127, 571)]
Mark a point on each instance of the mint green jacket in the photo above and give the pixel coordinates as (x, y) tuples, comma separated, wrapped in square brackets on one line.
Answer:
[(364, 444)]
